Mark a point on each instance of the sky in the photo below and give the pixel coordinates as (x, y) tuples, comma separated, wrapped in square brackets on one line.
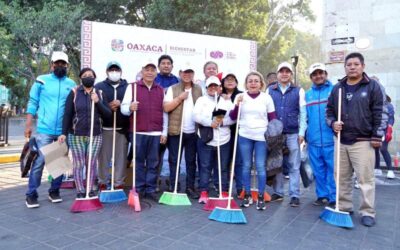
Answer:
[(316, 27)]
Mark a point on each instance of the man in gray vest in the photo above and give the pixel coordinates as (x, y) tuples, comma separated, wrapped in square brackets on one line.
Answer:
[(179, 102)]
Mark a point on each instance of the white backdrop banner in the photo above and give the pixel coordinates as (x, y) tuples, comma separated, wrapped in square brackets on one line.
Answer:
[(134, 47)]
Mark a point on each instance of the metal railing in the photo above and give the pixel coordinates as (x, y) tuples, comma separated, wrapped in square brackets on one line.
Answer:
[(5, 113)]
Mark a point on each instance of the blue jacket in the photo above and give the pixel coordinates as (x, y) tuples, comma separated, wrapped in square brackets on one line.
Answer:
[(47, 99), (166, 81), (318, 133), (287, 107)]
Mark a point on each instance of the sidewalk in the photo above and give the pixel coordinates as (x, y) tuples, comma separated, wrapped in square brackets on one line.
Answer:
[(116, 226)]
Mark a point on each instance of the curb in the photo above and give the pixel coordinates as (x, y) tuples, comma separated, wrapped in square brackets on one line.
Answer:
[(9, 158)]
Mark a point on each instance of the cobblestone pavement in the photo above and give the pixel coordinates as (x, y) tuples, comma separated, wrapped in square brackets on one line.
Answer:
[(116, 226)]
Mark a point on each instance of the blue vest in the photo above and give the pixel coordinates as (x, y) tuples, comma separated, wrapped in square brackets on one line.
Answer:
[(287, 107)]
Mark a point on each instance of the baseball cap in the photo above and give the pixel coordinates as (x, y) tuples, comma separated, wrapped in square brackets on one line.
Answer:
[(187, 68), (315, 67), (229, 74), (59, 56), (213, 80), (150, 64), (285, 65), (113, 63)]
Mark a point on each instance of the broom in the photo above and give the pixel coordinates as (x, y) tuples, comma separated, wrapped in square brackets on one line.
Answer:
[(335, 216), (175, 198), (67, 183), (220, 201), (88, 203), (254, 189), (133, 198), (112, 195), (228, 214)]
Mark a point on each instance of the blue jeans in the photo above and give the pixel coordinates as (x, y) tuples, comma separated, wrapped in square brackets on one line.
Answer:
[(207, 155), (321, 159), (294, 168), (147, 159), (189, 145), (248, 148), (35, 175)]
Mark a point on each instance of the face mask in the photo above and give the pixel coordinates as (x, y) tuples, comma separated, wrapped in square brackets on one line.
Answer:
[(88, 82), (60, 71), (114, 76)]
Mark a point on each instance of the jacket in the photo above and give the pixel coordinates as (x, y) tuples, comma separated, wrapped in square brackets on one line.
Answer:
[(78, 111), (362, 116), (108, 91), (319, 133), (166, 81), (47, 100)]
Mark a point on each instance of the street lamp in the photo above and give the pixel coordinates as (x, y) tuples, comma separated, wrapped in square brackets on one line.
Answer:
[(295, 60)]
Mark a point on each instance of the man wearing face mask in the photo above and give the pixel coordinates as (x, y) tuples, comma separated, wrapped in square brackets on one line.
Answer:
[(47, 100), (113, 88)]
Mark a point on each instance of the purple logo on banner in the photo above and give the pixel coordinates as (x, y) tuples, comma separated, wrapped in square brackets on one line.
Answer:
[(216, 54)]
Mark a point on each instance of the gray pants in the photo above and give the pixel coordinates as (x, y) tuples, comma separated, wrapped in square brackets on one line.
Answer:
[(121, 148)]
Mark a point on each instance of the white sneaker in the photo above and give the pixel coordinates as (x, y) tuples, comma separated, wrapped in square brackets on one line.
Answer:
[(390, 174), (378, 172)]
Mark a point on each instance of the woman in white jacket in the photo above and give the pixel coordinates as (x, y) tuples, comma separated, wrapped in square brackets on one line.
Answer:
[(257, 108), (209, 115)]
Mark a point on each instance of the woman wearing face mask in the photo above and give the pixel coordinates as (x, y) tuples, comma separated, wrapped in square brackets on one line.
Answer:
[(76, 125)]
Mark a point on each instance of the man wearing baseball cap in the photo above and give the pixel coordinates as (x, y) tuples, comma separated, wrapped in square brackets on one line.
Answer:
[(114, 88), (290, 108), (320, 135), (150, 128), (47, 100), (179, 103)]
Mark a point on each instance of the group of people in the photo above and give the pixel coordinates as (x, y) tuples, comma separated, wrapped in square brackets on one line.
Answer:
[(206, 114)]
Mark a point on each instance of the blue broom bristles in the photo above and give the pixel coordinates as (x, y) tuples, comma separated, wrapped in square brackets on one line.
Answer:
[(112, 196), (337, 218), (233, 216)]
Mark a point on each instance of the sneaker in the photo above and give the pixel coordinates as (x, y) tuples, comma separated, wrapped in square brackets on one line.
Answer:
[(332, 204), (390, 174), (225, 194), (247, 200), (31, 202), (192, 194), (203, 197), (321, 202), (102, 187), (276, 197), (294, 202), (54, 197), (378, 172), (152, 196), (80, 195), (260, 203), (368, 221)]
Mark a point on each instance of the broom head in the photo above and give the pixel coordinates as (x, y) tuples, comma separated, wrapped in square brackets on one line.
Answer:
[(112, 196), (219, 202), (68, 184), (337, 218), (233, 216), (133, 200), (174, 199), (86, 204)]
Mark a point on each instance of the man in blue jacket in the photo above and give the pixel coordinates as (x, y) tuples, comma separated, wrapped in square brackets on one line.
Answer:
[(320, 135), (47, 100)]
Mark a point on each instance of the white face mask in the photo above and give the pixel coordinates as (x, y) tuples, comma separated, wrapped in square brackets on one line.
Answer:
[(114, 76)]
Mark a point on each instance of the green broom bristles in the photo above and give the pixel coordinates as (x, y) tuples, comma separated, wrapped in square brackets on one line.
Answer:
[(174, 199), (337, 218), (234, 216)]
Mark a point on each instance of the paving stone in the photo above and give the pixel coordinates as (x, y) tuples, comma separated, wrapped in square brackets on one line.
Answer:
[(101, 239), (120, 244), (158, 242), (139, 236), (61, 241)]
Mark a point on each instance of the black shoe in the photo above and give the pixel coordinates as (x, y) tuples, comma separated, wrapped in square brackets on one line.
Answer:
[(294, 202), (152, 196), (192, 194), (260, 203), (276, 197), (368, 221), (332, 204), (54, 197), (32, 202), (321, 202), (247, 200), (80, 195)]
